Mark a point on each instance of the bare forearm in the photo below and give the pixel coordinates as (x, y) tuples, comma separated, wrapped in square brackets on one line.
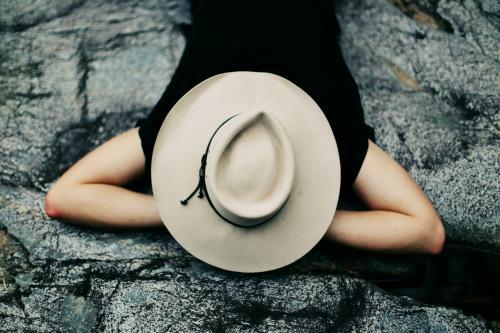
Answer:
[(383, 231), (108, 206)]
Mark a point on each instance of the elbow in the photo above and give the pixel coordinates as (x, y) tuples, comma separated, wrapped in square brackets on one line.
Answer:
[(53, 204), (436, 236)]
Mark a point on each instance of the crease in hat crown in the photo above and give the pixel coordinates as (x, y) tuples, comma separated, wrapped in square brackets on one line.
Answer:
[(250, 168)]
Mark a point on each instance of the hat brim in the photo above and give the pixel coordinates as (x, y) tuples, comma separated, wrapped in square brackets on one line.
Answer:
[(182, 140)]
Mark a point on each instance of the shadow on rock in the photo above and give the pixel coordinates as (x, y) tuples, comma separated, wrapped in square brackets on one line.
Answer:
[(76, 140)]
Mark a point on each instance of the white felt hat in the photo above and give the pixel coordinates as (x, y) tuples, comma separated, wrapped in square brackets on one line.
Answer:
[(266, 164)]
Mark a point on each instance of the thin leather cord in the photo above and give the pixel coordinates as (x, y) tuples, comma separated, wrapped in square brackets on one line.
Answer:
[(203, 189), (201, 182)]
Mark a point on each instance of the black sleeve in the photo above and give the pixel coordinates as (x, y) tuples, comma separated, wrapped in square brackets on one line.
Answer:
[(149, 126), (351, 131)]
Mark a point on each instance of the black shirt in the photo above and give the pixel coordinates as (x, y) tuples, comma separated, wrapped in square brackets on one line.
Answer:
[(296, 39)]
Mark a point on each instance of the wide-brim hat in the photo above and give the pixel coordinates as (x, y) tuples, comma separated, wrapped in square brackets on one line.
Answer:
[(245, 172)]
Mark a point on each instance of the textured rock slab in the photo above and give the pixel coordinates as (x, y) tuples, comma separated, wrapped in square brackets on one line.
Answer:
[(132, 296), (66, 70), (429, 76), (75, 73)]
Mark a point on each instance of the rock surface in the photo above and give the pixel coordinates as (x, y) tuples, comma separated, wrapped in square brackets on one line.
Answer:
[(430, 87), (74, 73)]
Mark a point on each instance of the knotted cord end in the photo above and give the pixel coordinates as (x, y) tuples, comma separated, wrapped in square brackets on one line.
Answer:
[(201, 181)]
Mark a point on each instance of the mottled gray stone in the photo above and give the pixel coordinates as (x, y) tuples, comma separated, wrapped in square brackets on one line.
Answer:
[(75, 73), (433, 98), (69, 70), (138, 295)]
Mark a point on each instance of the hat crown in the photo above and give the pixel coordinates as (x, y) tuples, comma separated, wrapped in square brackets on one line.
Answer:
[(250, 168)]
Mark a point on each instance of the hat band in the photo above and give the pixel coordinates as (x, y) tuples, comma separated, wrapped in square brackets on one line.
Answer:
[(203, 188)]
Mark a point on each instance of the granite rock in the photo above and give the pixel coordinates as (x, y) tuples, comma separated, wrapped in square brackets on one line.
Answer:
[(430, 88), (74, 73)]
